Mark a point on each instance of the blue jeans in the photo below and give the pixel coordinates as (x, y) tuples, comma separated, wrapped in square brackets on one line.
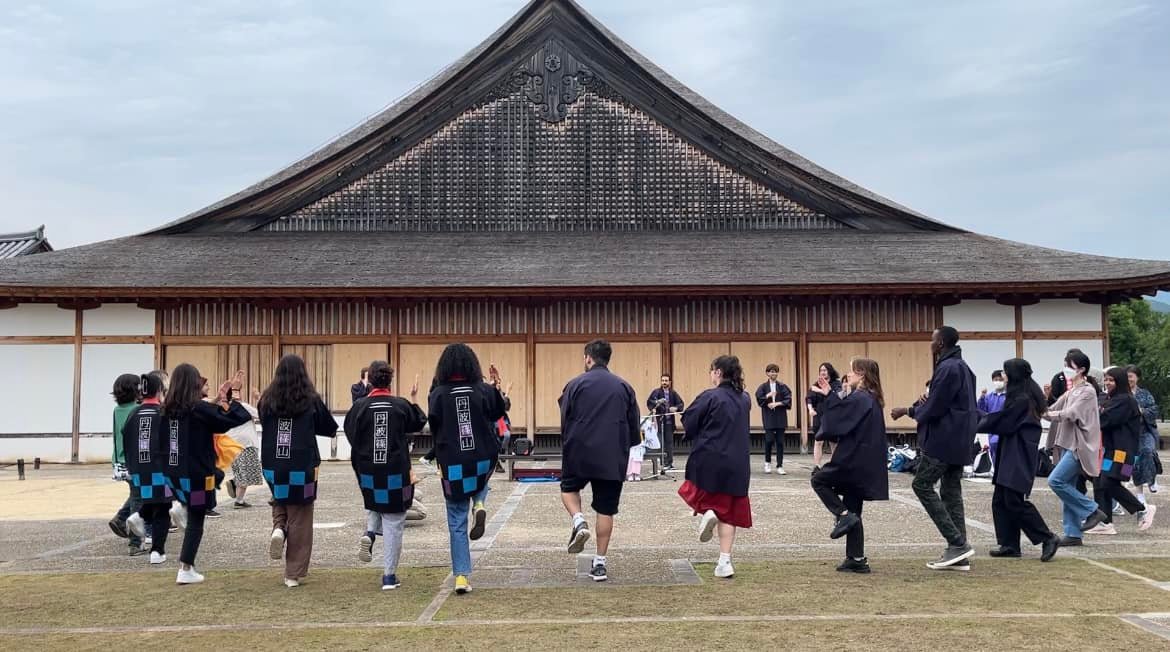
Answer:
[(458, 512), (1077, 506)]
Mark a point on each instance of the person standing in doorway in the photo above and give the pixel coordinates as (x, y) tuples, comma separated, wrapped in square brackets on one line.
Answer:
[(947, 419), (599, 425), (665, 403), (774, 399), (361, 388)]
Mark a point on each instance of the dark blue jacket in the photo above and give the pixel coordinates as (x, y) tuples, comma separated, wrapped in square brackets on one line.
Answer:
[(673, 400), (1018, 452), (599, 424), (718, 425), (856, 426), (948, 418), (774, 418)]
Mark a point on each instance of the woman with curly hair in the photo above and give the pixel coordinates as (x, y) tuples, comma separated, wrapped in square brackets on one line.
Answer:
[(718, 424), (815, 401), (857, 472), (292, 415), (462, 411), (189, 451)]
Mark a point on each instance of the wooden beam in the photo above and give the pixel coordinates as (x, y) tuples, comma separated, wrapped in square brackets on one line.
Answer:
[(686, 338), (277, 325), (75, 451), (336, 339), (1019, 334), (869, 337), (1105, 334), (37, 339), (395, 352), (216, 340), (988, 335), (530, 359), (1064, 335), (803, 376), (158, 346)]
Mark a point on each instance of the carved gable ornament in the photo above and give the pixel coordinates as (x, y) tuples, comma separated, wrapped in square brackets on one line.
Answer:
[(552, 79)]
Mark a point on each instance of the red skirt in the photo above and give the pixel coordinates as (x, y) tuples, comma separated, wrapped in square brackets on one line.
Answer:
[(732, 510)]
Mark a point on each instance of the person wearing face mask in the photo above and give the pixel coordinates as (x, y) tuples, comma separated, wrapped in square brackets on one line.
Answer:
[(947, 420), (665, 403), (990, 403), (857, 471), (1075, 439), (1018, 422), (719, 467), (1121, 427)]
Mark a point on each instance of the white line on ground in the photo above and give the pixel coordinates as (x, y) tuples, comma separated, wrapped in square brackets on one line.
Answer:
[(913, 502), (1149, 626), (1134, 576)]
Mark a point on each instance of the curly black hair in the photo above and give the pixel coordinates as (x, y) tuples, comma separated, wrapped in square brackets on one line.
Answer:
[(291, 392), (457, 362), (380, 374), (125, 389), (731, 369)]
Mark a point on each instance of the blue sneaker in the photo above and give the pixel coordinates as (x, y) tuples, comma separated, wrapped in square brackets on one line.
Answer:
[(390, 582)]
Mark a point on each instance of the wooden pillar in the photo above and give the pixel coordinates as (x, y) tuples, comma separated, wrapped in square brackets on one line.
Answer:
[(530, 358), (1105, 335), (1019, 310), (75, 451), (667, 359), (396, 345), (277, 326), (802, 373), (158, 347)]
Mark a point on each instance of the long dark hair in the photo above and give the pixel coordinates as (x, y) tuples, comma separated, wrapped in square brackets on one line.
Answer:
[(871, 378), (834, 376), (185, 391), (125, 389), (1021, 386), (291, 392), (456, 362), (732, 370), (1120, 382), (380, 374)]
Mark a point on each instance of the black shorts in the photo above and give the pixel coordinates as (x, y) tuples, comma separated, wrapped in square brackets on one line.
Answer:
[(606, 493)]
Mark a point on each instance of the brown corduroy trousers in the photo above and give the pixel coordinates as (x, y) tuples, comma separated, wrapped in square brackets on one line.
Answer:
[(297, 523)]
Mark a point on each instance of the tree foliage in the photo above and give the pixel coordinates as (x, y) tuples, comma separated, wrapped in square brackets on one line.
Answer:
[(1139, 335)]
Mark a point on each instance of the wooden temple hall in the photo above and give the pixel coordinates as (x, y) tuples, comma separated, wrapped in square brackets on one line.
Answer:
[(550, 187)]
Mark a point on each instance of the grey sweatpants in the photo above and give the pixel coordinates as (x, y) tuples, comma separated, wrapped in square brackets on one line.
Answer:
[(392, 527)]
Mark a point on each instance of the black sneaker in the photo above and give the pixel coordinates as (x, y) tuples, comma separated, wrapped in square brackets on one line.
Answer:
[(1096, 518), (1004, 551), (844, 524), (1071, 542), (578, 538), (598, 573), (119, 528), (211, 513), (137, 550), (479, 521), (951, 556), (1049, 548), (231, 487), (851, 565)]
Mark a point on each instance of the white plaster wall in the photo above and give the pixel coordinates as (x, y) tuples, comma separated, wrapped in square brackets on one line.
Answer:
[(118, 319), (984, 357), (1047, 356), (36, 381), (100, 365), (980, 315), (92, 449), (1062, 315), (37, 319)]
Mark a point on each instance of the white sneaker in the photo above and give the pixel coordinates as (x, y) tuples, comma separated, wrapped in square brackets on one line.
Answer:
[(156, 558), (707, 526), (179, 515), (780, 471), (767, 467), (1102, 528), (724, 569), (189, 576), (136, 525), (276, 544), (1117, 510), (292, 584), (1146, 517), (365, 548)]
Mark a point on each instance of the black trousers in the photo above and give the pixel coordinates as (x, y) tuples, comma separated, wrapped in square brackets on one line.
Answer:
[(666, 437), (158, 517), (775, 437), (1106, 490), (838, 500), (194, 534), (1014, 513)]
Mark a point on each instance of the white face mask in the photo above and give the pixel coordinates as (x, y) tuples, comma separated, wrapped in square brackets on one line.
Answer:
[(1070, 373), (998, 385)]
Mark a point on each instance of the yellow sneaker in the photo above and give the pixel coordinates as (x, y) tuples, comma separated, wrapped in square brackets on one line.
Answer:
[(462, 585)]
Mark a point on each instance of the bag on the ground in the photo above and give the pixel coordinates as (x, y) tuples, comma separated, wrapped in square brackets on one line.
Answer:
[(982, 466), (897, 457)]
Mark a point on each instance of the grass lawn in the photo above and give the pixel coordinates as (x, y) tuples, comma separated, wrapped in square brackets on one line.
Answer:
[(911, 636), (812, 587)]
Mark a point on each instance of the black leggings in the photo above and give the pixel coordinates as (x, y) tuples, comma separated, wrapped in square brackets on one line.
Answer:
[(193, 536), (158, 516), (1106, 490)]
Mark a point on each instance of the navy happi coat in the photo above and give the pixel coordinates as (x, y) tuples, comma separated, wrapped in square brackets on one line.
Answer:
[(289, 454), (463, 418), (188, 450), (718, 424), (948, 418), (1018, 451), (599, 425), (378, 427), (857, 428), (142, 429)]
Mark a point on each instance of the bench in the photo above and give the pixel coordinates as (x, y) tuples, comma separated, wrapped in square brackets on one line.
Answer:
[(516, 473)]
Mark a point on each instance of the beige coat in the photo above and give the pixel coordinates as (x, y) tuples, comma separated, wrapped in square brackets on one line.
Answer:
[(1076, 427)]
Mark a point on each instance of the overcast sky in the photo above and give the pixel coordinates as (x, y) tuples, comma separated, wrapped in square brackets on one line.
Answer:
[(1046, 121)]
